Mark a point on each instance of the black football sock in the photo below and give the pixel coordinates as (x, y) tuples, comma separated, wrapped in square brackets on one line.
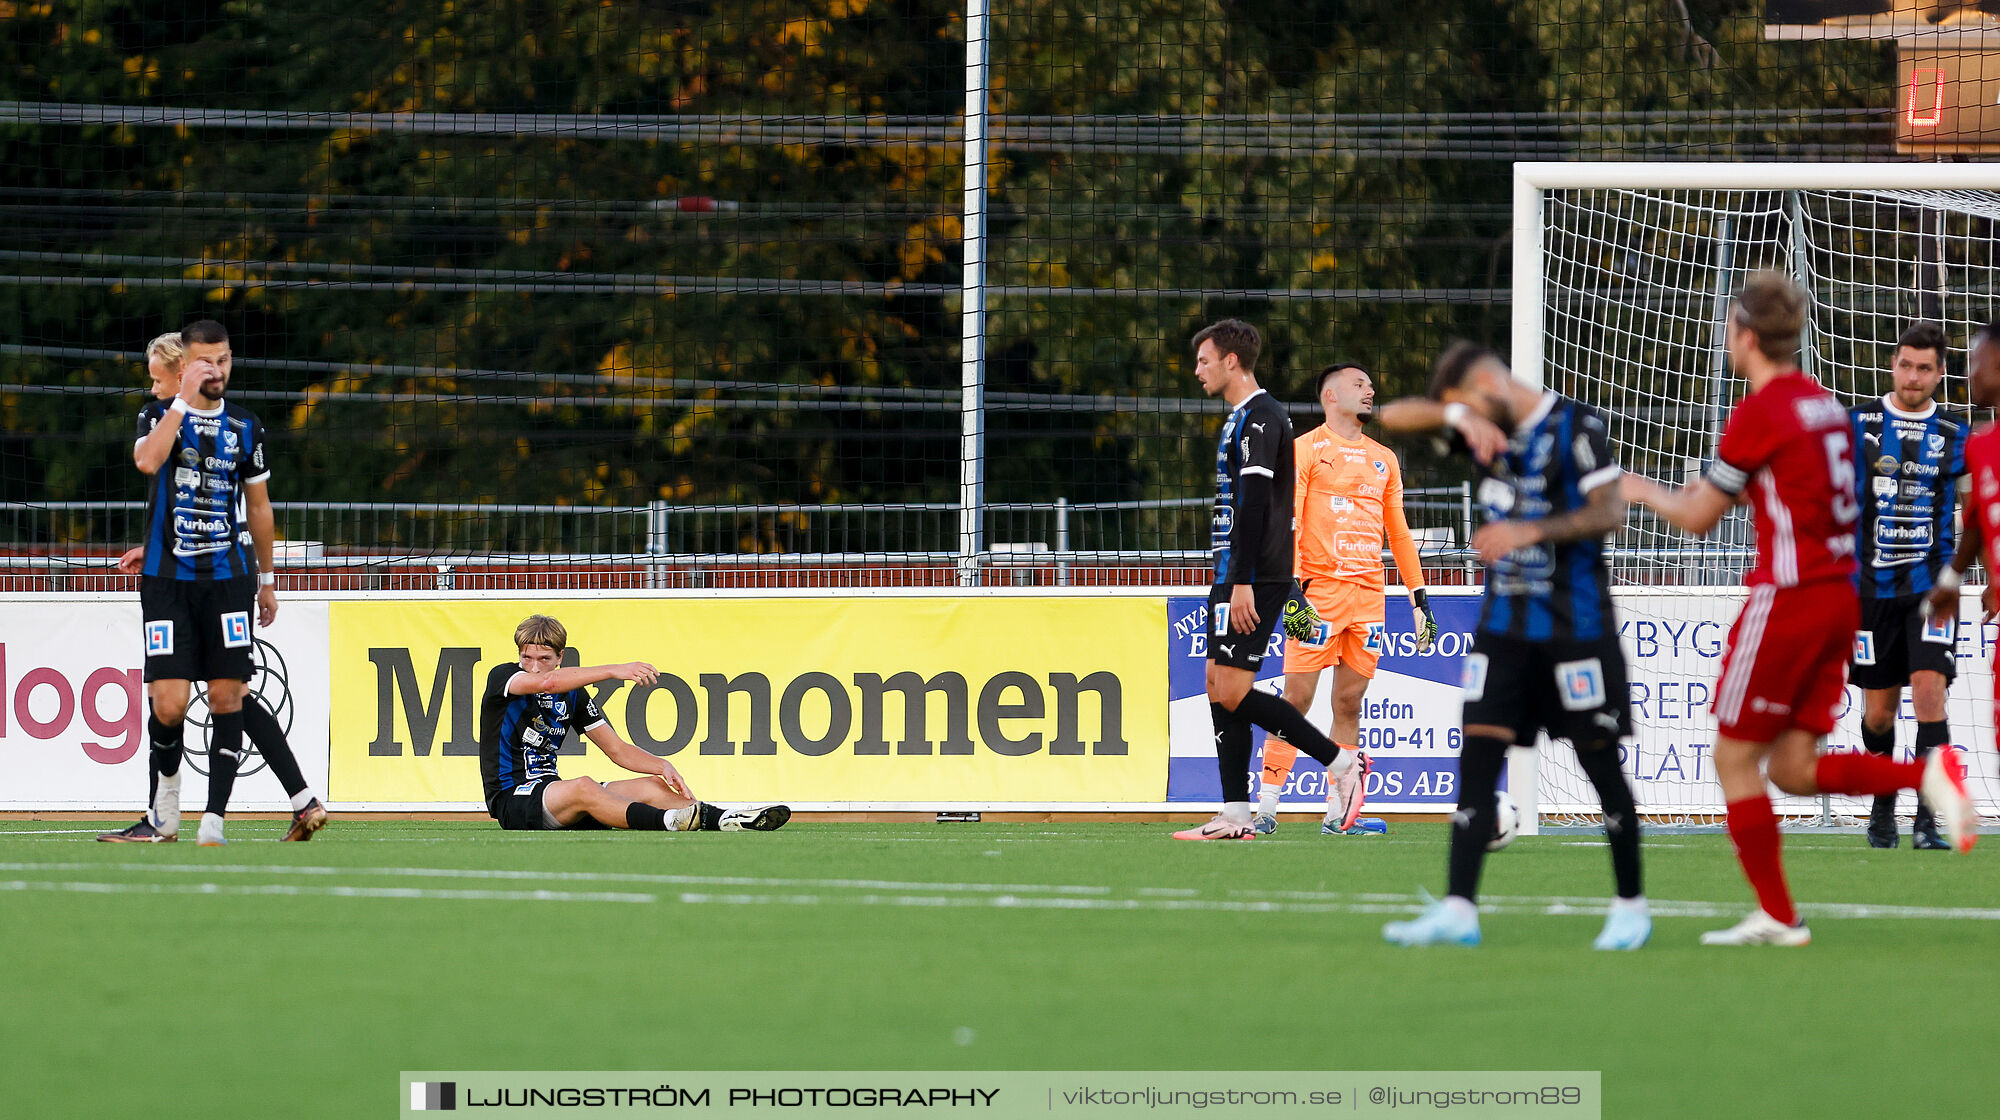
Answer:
[(1232, 750), (1276, 715), (1879, 742), (225, 754), (164, 756), (711, 817), (264, 731), (645, 818), (1479, 766), (1621, 813), (1884, 744)]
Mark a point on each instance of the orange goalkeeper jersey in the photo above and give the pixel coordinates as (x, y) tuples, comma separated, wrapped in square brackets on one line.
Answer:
[(1349, 495)]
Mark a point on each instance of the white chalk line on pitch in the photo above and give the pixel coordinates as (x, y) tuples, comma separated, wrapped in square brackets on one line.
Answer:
[(913, 894), (634, 877), (294, 890)]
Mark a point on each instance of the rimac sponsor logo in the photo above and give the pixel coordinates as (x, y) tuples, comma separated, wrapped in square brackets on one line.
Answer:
[(1013, 714)]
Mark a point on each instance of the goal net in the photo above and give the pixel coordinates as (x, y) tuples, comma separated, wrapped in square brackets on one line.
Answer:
[(1623, 275)]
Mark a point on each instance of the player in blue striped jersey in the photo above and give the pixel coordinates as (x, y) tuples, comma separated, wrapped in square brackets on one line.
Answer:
[(1252, 540), (1911, 460), (1545, 656), (206, 572), (530, 708)]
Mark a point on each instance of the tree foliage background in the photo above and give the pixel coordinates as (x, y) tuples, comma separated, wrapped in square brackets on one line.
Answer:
[(531, 317)]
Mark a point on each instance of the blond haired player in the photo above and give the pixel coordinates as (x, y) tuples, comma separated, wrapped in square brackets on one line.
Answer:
[(1349, 494)]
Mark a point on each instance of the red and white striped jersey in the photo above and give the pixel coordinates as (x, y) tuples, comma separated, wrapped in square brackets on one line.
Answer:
[(1789, 451)]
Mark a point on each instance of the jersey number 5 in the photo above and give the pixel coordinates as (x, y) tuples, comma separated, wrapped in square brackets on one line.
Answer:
[(1840, 467)]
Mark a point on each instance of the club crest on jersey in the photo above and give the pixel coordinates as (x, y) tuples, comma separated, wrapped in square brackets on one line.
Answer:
[(229, 442), (1381, 468), (1538, 456), (160, 638), (1582, 684), (1496, 495), (1935, 443)]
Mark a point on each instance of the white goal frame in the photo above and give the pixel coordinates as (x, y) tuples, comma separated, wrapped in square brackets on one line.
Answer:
[(1528, 319)]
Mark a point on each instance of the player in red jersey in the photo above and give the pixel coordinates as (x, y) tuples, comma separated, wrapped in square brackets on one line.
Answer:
[(1982, 513), (1788, 450)]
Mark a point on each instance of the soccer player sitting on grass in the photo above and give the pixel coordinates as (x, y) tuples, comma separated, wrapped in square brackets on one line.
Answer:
[(530, 707)]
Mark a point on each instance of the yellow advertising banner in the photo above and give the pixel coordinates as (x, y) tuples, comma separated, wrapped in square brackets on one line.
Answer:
[(806, 700)]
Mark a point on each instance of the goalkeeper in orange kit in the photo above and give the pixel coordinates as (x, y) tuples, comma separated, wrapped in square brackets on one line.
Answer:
[(1349, 494)]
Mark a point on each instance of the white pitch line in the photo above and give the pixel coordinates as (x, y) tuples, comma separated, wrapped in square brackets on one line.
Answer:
[(639, 878), (948, 894), (294, 890)]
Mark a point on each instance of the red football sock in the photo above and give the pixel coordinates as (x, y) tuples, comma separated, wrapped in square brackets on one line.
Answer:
[(1753, 828), (1844, 772)]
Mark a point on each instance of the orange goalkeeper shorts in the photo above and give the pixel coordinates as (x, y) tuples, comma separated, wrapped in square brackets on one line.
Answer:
[(1352, 633)]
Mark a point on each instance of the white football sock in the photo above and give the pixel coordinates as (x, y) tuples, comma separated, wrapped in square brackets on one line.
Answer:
[(1236, 812), (302, 799), (1267, 800), (167, 804)]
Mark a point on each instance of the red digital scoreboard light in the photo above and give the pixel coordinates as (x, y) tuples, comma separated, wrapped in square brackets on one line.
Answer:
[(1950, 103)]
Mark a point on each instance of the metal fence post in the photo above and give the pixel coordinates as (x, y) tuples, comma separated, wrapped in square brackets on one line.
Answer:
[(972, 311)]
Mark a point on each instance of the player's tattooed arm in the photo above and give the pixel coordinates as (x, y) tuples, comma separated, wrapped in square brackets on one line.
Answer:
[(1604, 513)]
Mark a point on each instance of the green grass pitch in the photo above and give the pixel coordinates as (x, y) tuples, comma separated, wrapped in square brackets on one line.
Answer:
[(298, 980)]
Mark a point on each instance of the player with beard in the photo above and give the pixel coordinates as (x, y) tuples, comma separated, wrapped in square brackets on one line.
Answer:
[(1349, 495), (1545, 655), (1911, 468), (207, 569), (164, 357)]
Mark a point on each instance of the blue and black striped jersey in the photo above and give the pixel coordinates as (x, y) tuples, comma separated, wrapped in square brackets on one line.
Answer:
[(520, 735), (196, 525), (1554, 459), (1256, 442), (1909, 466)]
